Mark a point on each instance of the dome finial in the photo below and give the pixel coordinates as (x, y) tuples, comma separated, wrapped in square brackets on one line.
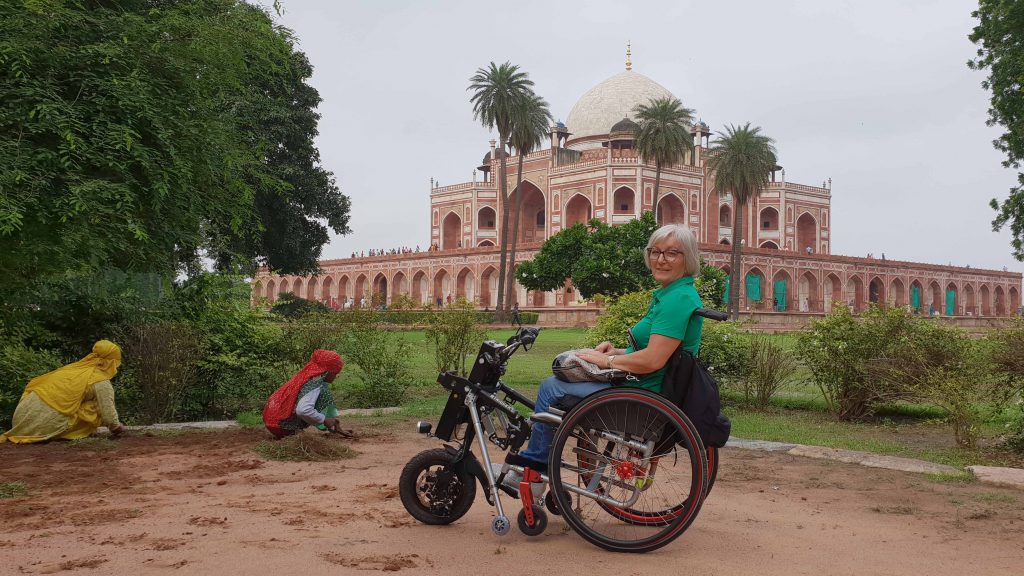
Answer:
[(629, 57)]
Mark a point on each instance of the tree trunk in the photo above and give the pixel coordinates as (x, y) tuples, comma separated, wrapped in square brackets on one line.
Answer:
[(657, 186), (736, 272), (510, 283), (500, 308)]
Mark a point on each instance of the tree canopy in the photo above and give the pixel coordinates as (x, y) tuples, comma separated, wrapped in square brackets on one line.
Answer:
[(1000, 39), (144, 134), (663, 135)]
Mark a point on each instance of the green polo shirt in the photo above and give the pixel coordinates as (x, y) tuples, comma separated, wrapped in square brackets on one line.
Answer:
[(670, 314)]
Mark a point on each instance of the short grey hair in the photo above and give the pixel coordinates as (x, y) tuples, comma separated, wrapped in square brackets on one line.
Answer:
[(687, 243)]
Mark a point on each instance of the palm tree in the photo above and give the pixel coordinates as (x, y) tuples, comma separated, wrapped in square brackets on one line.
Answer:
[(497, 92), (530, 124), (663, 136), (742, 159)]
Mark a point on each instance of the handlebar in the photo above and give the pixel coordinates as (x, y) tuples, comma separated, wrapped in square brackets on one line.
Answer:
[(712, 314)]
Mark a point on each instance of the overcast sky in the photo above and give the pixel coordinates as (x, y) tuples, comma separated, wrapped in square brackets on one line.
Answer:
[(875, 95)]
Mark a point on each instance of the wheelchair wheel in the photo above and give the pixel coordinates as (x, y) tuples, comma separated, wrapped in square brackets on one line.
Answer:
[(434, 492), (652, 518), (601, 470)]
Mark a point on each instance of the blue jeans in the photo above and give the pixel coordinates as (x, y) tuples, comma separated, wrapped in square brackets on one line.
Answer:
[(551, 390)]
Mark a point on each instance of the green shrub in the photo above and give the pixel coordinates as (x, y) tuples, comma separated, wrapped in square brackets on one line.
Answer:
[(291, 307), (162, 360), (622, 313), (377, 362), (710, 285), (18, 365), (771, 367), (455, 334), (838, 349), (725, 350)]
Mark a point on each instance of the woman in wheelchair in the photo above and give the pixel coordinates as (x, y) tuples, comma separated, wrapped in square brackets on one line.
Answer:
[(672, 257)]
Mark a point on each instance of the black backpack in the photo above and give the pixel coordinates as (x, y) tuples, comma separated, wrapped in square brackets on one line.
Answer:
[(689, 385)]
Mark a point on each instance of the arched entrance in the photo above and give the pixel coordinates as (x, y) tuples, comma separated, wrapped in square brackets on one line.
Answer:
[(486, 243), (725, 216), (420, 292), (398, 287), (808, 297), (754, 288), (530, 229), (380, 290), (577, 210), (671, 210), (806, 233), (361, 293), (916, 296), (451, 232), (897, 294), (1000, 301), (986, 301), (769, 245), (486, 219), (344, 291), (936, 303), (297, 288), (489, 287), (442, 287), (283, 288), (327, 291), (537, 298), (782, 293), (855, 293), (769, 219), (970, 306), (833, 291), (465, 286), (268, 292), (624, 201), (952, 300), (1014, 297), (311, 289), (876, 291)]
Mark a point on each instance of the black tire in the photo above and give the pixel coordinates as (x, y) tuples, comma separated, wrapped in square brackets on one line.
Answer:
[(662, 510), (540, 522), (433, 491), (551, 505)]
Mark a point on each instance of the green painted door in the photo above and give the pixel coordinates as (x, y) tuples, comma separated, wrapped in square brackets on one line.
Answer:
[(915, 298), (726, 298), (753, 287), (780, 295), (950, 302)]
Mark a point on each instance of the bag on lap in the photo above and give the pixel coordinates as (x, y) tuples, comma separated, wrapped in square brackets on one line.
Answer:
[(568, 367)]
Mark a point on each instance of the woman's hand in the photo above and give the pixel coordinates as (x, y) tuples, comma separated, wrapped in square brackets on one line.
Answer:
[(332, 424), (605, 347), (594, 357), (117, 431)]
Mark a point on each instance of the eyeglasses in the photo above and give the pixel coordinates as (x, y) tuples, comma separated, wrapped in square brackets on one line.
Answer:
[(669, 255)]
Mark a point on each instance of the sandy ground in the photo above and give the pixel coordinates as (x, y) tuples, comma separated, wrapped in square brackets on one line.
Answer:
[(205, 503)]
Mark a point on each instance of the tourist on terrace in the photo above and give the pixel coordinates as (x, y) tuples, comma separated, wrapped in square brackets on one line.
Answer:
[(71, 402), (672, 257), (306, 398)]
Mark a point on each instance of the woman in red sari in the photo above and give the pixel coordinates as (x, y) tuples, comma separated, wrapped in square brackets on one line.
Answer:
[(306, 398)]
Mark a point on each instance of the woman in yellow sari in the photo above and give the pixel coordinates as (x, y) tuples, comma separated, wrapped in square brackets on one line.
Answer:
[(71, 402)]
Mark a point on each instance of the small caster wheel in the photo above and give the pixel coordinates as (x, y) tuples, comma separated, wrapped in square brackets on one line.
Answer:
[(500, 525), (540, 522), (550, 504)]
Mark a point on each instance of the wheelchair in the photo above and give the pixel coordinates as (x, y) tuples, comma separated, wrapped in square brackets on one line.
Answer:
[(627, 471)]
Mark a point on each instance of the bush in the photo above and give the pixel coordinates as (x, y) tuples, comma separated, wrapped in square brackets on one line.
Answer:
[(377, 361), (838, 349), (771, 368), (162, 362), (1007, 353), (18, 365), (725, 350), (455, 334), (291, 307), (622, 313)]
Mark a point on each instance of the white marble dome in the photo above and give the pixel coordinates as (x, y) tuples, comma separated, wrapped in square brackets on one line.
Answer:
[(610, 101)]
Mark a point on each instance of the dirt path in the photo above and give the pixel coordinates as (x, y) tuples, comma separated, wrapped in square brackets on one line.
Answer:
[(204, 503)]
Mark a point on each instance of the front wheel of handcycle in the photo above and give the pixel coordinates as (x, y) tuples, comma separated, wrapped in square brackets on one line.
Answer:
[(433, 490), (628, 470)]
